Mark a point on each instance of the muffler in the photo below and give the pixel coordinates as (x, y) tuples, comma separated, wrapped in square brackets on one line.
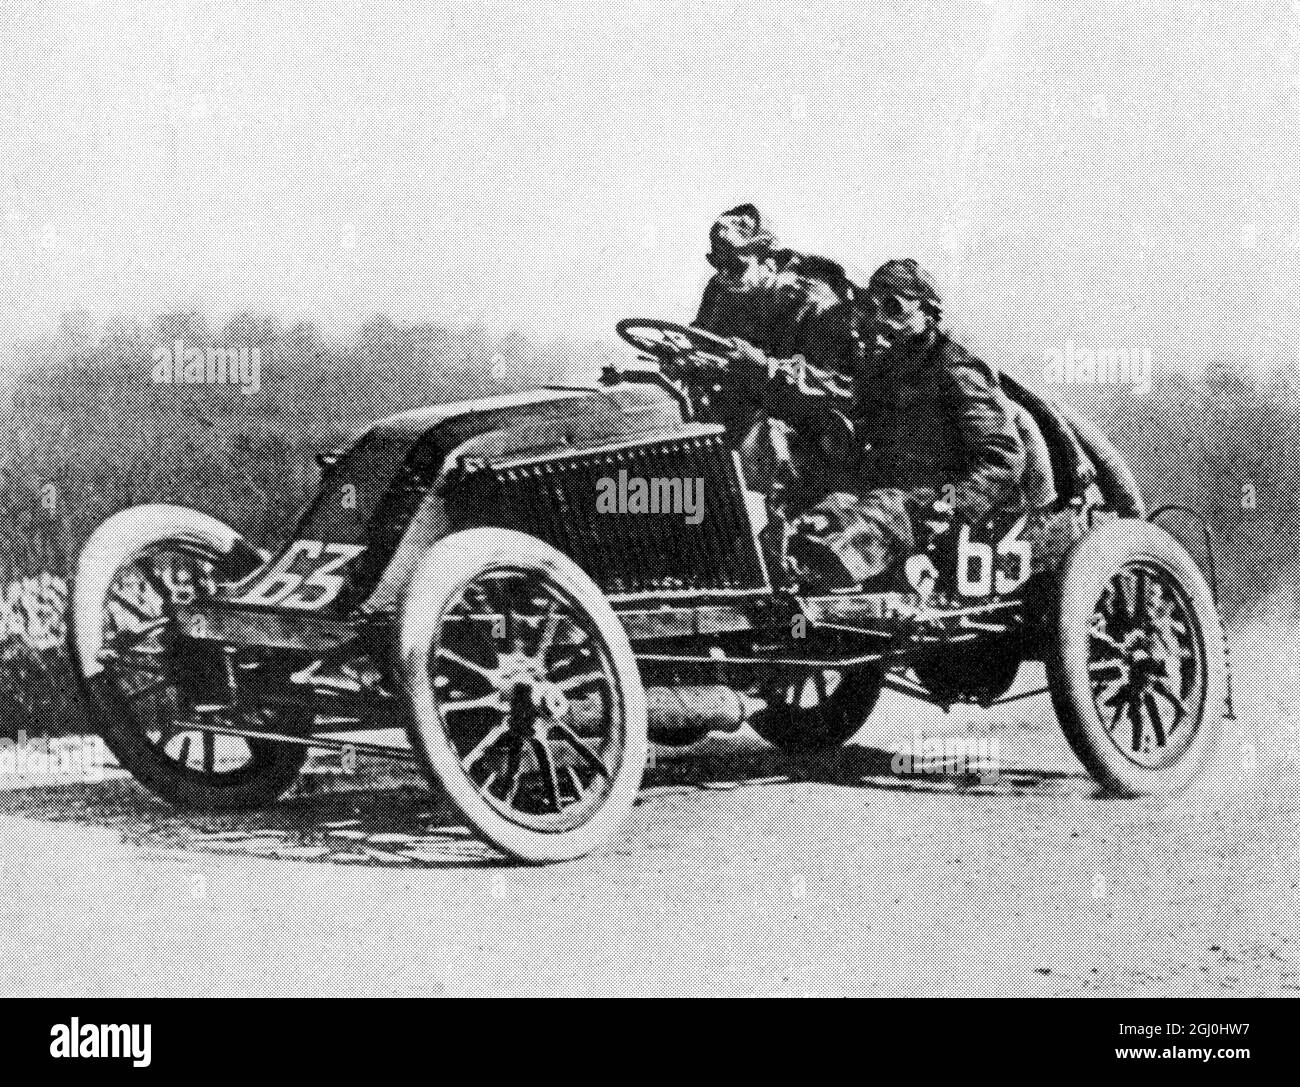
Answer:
[(686, 712), (696, 709)]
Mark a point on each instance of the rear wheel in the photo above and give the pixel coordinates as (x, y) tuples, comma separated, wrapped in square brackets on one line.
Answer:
[(136, 675), (526, 701), (818, 710), (1136, 663)]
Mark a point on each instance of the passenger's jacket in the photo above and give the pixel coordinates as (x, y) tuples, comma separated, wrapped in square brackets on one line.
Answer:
[(926, 413)]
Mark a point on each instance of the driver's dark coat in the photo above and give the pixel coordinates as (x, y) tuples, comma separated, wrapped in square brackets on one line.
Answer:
[(774, 313), (927, 414)]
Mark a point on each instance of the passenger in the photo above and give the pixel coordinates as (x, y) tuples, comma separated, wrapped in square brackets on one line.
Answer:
[(933, 436)]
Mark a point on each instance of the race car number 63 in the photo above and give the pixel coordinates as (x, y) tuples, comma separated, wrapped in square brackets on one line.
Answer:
[(284, 586), (976, 562)]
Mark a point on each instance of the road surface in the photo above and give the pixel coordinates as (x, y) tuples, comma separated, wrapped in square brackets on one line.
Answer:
[(738, 874)]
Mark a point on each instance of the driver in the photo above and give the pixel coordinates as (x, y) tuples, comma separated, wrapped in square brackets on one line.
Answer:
[(771, 299), (933, 436), (759, 293)]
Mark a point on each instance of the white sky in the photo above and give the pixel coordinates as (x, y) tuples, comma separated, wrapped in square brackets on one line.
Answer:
[(1086, 171)]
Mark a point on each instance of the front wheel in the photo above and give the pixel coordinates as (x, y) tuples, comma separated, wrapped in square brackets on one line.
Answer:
[(1136, 663), (526, 703), (136, 674)]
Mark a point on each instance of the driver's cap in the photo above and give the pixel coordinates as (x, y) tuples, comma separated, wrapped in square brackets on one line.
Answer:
[(739, 230)]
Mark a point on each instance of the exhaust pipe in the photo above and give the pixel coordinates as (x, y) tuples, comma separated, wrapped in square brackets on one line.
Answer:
[(696, 708), (681, 714)]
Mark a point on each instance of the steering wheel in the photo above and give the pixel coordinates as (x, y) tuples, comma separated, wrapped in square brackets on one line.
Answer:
[(693, 365), (665, 341)]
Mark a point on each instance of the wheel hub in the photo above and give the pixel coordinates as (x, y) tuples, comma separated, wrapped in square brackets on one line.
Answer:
[(535, 701), (1141, 660), (549, 700)]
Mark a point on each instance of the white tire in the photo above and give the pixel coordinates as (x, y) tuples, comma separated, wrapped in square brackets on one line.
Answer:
[(134, 677), (510, 656), (1136, 661)]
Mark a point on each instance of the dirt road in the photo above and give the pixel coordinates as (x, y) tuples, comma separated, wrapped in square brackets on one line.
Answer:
[(735, 875)]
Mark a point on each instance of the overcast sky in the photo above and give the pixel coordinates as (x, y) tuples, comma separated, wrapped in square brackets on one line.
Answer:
[(1110, 172)]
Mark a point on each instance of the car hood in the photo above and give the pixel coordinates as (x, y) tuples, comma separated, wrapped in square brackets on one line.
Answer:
[(417, 422), (371, 489)]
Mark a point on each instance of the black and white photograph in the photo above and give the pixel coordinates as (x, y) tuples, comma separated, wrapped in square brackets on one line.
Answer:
[(612, 498)]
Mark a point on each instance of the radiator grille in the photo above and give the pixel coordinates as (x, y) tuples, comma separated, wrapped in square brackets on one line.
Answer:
[(556, 499)]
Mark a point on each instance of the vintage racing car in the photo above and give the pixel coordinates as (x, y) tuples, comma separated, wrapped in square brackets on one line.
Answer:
[(457, 576)]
